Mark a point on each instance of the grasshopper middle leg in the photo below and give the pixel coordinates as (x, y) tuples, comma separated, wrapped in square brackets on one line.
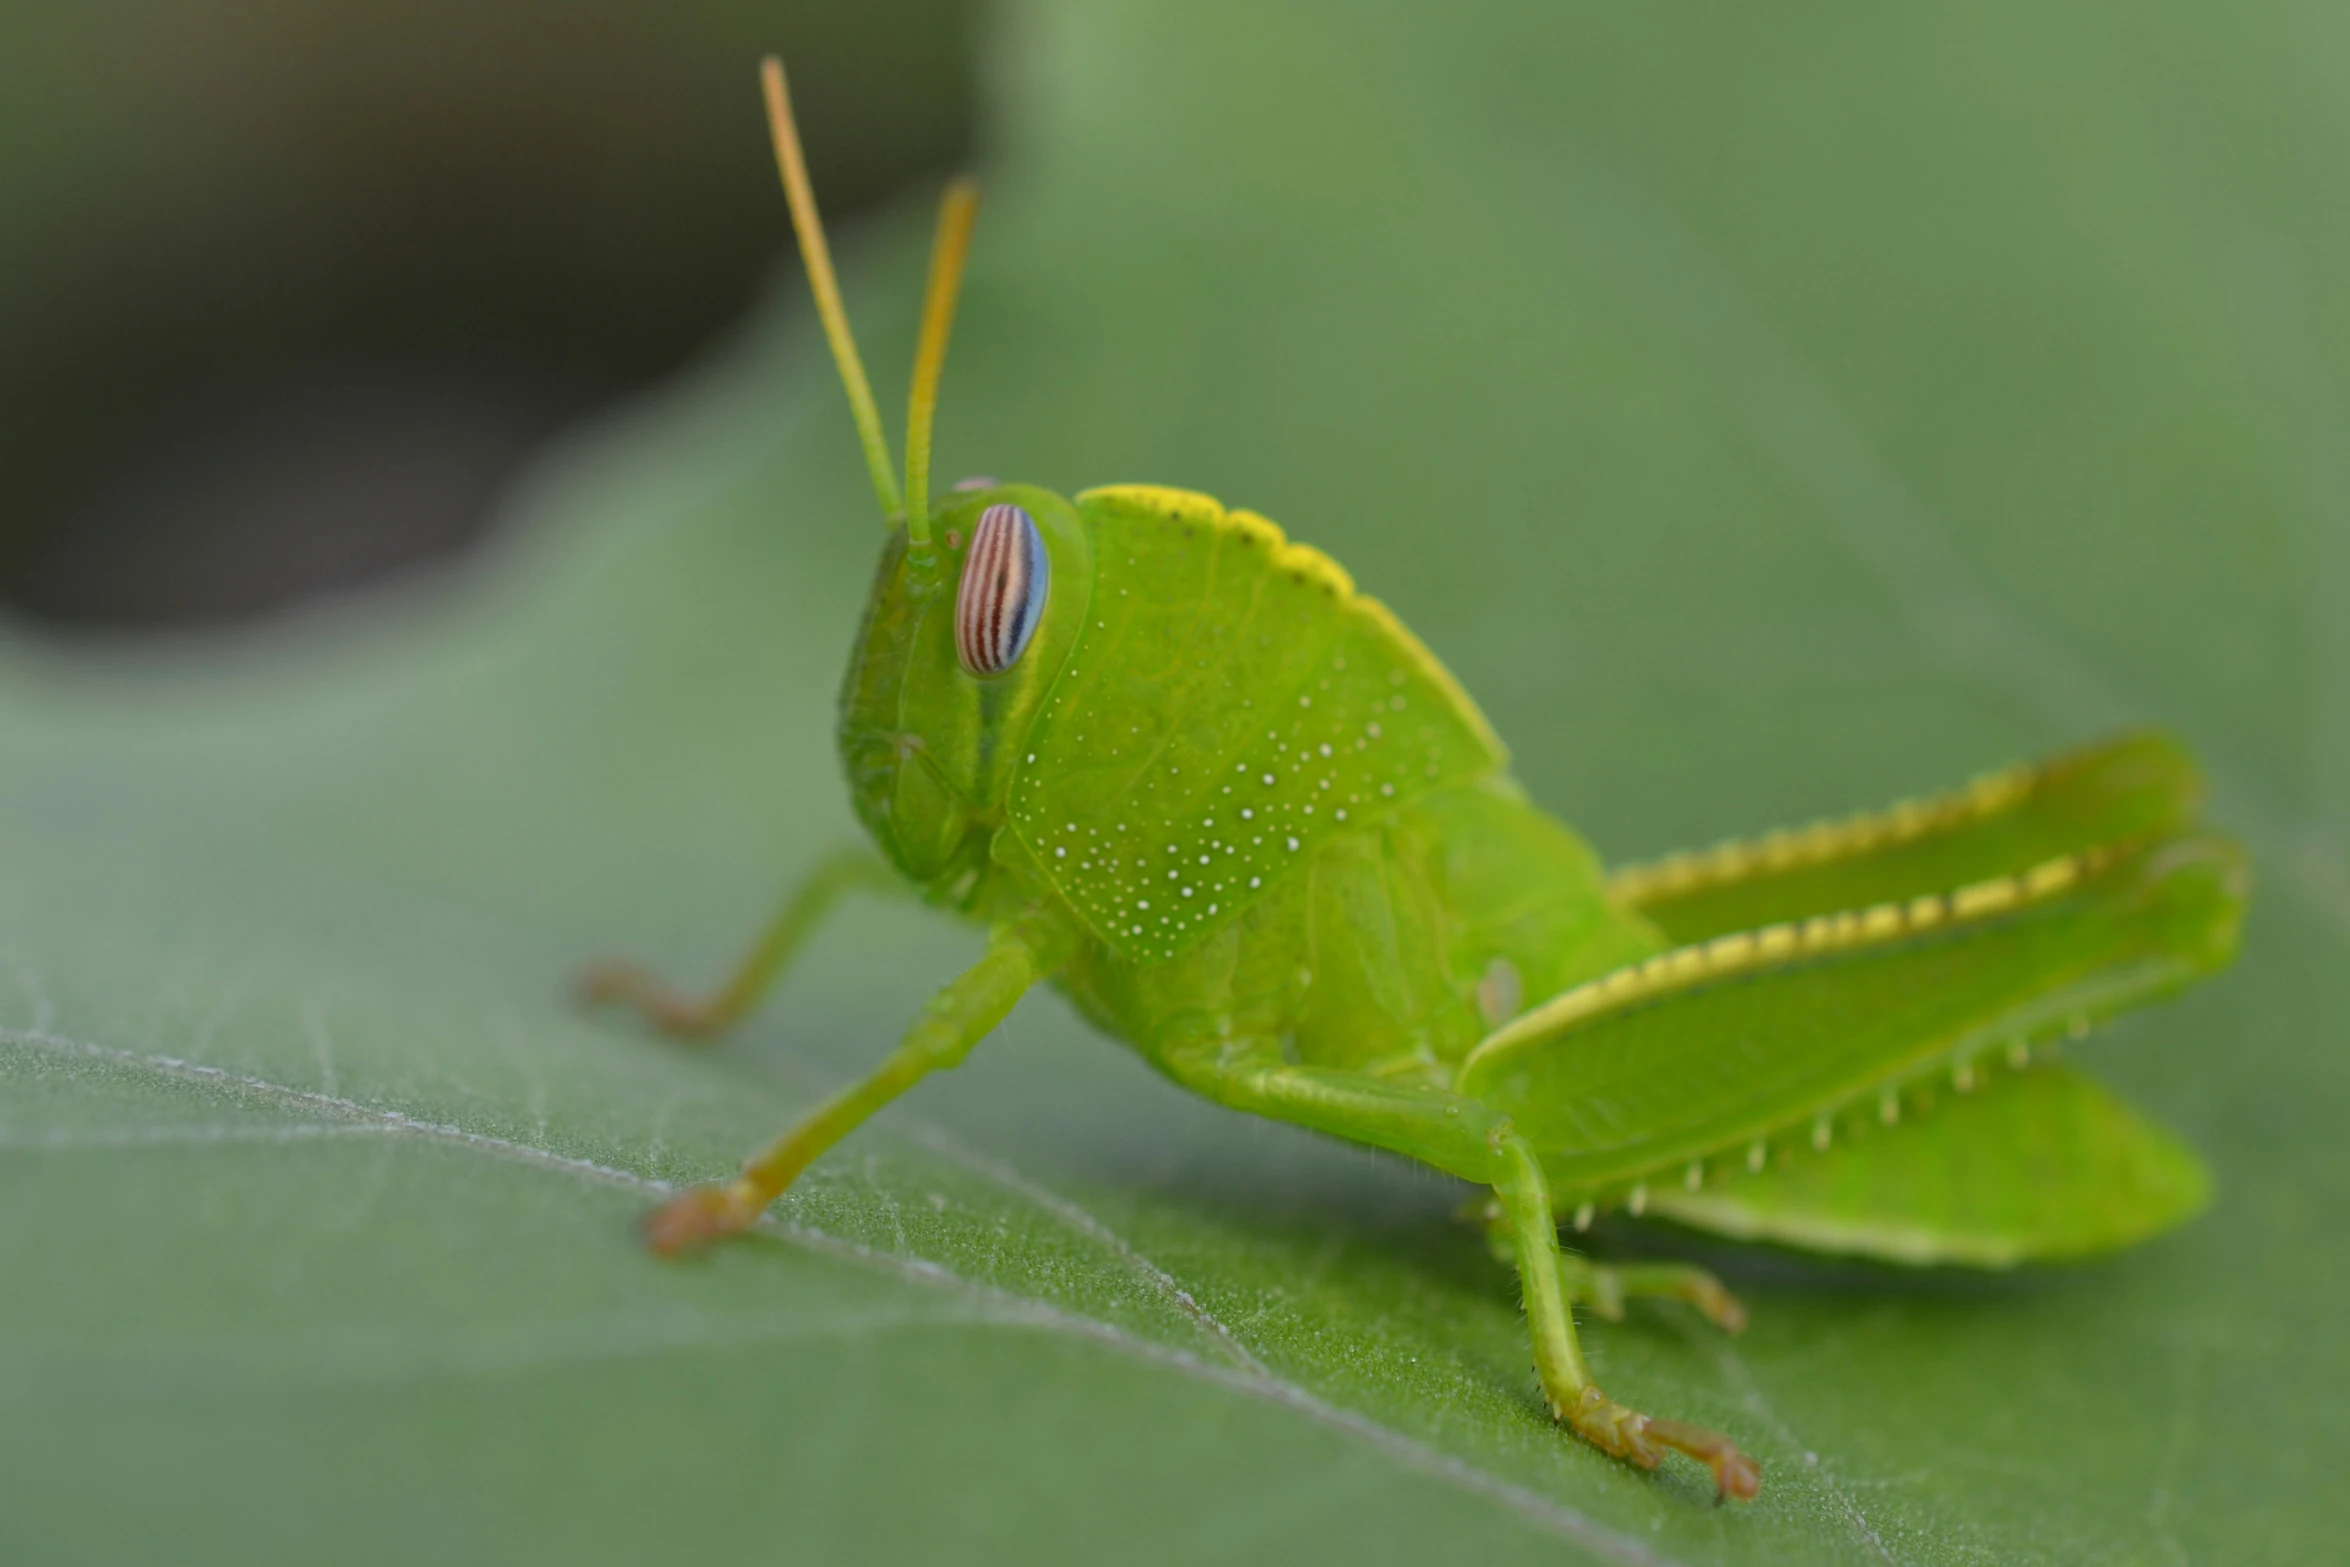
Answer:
[(957, 1018)]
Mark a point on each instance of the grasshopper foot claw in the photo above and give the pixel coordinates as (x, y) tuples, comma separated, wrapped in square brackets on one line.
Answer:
[(1707, 1295), (616, 982), (1736, 1475), (1627, 1434), (696, 1217)]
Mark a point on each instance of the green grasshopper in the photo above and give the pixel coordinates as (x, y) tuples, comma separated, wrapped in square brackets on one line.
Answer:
[(1179, 768)]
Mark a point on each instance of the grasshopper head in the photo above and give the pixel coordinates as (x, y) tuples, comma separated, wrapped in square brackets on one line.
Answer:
[(959, 647), (974, 608)]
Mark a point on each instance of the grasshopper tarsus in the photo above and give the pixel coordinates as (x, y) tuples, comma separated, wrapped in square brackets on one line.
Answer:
[(1700, 1289), (1604, 1287), (1625, 1433), (616, 982), (1737, 1476), (693, 1219)]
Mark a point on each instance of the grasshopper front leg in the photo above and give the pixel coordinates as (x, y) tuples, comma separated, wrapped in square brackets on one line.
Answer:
[(957, 1018), (615, 980)]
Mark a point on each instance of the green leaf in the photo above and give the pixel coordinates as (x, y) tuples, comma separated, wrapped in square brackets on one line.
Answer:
[(1766, 413)]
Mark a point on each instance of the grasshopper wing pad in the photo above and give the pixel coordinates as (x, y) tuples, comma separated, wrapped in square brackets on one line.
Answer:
[(2034, 1165), (1231, 703), (1698, 1053), (2134, 788)]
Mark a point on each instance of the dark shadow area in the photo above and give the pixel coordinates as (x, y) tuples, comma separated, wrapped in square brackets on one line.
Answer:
[(1762, 1265), (288, 292), (1411, 1219)]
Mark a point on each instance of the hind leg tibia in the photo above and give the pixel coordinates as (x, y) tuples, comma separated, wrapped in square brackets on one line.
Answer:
[(1567, 1384)]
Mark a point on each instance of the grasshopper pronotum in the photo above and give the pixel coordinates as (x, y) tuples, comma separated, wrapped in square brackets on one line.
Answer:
[(1177, 767)]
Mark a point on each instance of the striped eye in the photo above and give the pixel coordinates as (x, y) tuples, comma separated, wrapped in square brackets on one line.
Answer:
[(1005, 579)]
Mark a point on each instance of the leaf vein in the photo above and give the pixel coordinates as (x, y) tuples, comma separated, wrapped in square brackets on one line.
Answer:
[(1002, 1306)]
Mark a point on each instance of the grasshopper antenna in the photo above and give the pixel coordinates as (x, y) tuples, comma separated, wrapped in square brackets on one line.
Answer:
[(826, 288), (957, 209)]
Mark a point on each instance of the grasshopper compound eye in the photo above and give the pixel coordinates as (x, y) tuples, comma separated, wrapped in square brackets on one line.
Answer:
[(1005, 579)]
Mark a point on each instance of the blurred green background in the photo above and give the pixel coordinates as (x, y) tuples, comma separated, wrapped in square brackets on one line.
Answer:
[(1765, 414)]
